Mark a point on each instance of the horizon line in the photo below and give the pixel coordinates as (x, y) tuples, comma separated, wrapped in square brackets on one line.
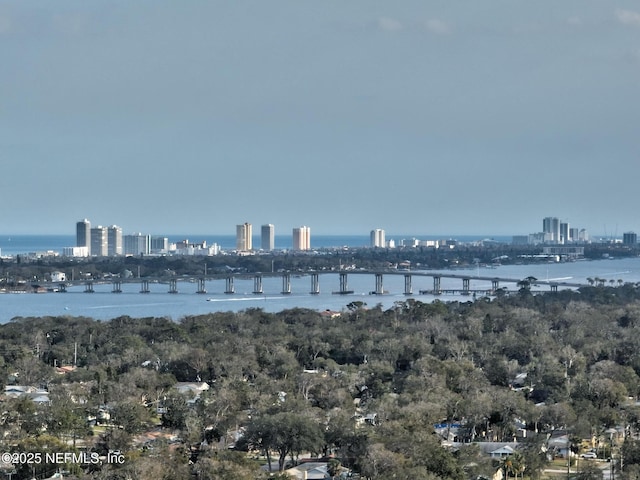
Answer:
[(357, 234)]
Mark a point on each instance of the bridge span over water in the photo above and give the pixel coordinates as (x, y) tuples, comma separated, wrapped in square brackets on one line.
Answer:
[(466, 286)]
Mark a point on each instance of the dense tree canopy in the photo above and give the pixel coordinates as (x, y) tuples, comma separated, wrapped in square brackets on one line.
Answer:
[(367, 386)]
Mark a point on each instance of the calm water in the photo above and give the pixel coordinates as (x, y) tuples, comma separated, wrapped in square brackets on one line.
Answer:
[(105, 305)]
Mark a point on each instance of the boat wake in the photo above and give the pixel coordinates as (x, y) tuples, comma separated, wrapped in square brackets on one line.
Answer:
[(97, 307), (241, 299), (615, 273)]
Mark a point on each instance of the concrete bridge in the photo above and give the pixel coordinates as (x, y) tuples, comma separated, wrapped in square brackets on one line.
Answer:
[(466, 287)]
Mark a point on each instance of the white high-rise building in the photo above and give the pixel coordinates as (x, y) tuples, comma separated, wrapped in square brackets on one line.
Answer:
[(302, 238), (378, 238), (99, 241), (267, 237), (114, 240), (243, 237)]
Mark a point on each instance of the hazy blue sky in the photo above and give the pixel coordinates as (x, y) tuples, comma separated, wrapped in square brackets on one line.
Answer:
[(419, 117)]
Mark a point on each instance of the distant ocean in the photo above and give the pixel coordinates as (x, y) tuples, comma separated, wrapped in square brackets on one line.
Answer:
[(23, 244)]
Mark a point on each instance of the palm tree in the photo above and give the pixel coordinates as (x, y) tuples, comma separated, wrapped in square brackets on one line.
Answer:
[(518, 464), (506, 465), (513, 464)]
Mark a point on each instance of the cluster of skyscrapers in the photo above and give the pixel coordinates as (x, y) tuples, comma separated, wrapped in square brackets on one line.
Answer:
[(102, 241), (109, 241), (301, 238), (558, 232), (554, 232)]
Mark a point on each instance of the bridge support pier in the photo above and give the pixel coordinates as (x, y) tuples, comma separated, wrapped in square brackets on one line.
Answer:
[(286, 284), (315, 284), (554, 287), (201, 286), (495, 284), (436, 285), (257, 284), (229, 288), (144, 286), (408, 290), (379, 288), (62, 287), (344, 285), (116, 286), (88, 287), (465, 286), (173, 286)]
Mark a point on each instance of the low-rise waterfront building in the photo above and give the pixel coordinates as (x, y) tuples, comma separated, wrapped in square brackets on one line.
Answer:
[(185, 247), (75, 251), (57, 277)]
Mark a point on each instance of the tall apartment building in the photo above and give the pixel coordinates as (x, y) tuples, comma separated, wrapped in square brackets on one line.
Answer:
[(551, 229), (114, 241), (267, 237), (137, 244), (83, 235), (302, 238), (99, 241), (574, 234), (243, 237), (565, 233), (629, 238), (583, 235), (159, 244), (377, 238)]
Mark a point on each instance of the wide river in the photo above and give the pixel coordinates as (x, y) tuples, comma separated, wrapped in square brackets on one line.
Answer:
[(104, 305)]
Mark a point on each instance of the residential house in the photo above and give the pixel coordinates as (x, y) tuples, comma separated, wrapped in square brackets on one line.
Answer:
[(37, 395)]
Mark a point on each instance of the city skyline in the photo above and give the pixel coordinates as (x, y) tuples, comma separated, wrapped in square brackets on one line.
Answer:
[(110, 239), (554, 231), (426, 118), (89, 240)]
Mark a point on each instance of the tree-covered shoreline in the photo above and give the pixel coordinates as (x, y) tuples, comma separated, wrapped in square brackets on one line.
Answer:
[(23, 269), (365, 386)]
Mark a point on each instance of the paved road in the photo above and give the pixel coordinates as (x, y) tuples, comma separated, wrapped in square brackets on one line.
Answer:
[(604, 466)]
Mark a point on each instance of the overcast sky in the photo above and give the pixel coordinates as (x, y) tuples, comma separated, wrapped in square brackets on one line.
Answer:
[(419, 117)]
